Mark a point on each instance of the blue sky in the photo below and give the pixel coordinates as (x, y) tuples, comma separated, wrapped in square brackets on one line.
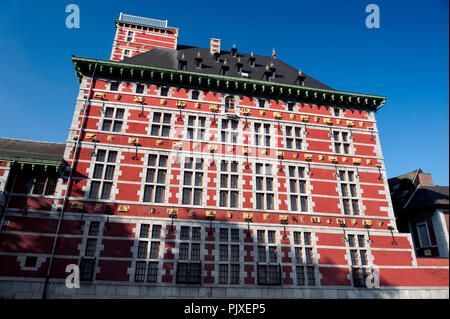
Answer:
[(406, 59)]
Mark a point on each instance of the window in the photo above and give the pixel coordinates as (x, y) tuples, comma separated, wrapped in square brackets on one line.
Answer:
[(269, 272), (193, 181), (114, 86), (196, 127), (30, 261), (341, 142), (87, 269), (130, 36), (229, 104), (148, 260), (164, 91), (358, 256), (195, 95), (290, 107), (44, 184), (337, 112), (229, 267), (103, 174), (189, 267), (229, 131), (349, 193), (113, 119), (261, 131), (304, 259), (161, 124), (293, 138), (423, 235), (127, 53), (140, 88), (155, 180), (297, 189), (228, 188), (262, 103), (264, 185)]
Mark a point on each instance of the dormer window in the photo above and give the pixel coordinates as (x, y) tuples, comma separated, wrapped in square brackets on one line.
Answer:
[(182, 65), (216, 57), (198, 63), (252, 61), (234, 51), (224, 70)]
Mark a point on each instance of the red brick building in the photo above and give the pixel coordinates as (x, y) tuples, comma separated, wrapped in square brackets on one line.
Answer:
[(212, 172)]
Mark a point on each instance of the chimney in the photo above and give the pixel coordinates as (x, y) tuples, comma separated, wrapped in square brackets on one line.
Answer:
[(214, 46), (425, 179)]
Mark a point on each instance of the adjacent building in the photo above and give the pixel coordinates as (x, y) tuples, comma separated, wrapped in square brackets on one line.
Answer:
[(421, 208), (212, 172)]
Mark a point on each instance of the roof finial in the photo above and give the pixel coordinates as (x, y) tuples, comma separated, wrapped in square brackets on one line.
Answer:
[(225, 61), (274, 55), (234, 45), (182, 56), (198, 54), (299, 72), (251, 54)]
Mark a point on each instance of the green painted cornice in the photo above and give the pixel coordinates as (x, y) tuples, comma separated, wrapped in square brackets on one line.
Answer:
[(234, 85), (33, 161)]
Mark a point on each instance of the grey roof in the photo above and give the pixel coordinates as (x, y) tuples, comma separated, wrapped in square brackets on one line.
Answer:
[(31, 149), (428, 196), (169, 58)]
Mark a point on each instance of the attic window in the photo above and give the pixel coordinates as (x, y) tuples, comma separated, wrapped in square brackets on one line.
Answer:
[(164, 91), (238, 67), (216, 57), (262, 103), (114, 86), (182, 65), (140, 88), (198, 63)]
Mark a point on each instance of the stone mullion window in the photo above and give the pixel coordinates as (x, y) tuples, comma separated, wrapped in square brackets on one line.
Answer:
[(229, 257), (257, 134), (304, 259), (293, 138), (103, 174), (189, 266), (268, 266), (298, 198), (113, 119), (156, 178), (148, 253), (349, 193), (87, 262), (358, 251), (193, 181), (195, 129), (229, 132), (341, 142), (161, 123), (228, 184), (264, 187)]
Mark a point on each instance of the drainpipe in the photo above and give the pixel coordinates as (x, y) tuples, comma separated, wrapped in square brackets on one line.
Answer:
[(77, 142)]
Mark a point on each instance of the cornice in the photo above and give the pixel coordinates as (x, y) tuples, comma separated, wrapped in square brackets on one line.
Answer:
[(234, 85)]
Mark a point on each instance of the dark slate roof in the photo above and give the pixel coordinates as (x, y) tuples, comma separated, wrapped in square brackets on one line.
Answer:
[(31, 149), (168, 58), (427, 196)]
